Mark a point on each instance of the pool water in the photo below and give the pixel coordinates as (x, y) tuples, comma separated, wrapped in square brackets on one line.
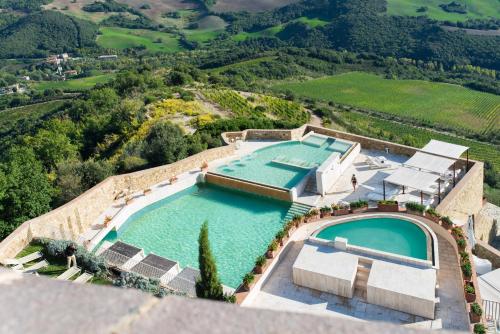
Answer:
[(298, 157), (241, 226), (390, 235)]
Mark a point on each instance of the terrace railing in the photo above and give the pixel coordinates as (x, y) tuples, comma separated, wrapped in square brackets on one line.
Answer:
[(491, 310)]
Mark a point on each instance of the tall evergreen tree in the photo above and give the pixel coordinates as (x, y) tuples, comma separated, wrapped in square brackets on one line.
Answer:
[(208, 285)]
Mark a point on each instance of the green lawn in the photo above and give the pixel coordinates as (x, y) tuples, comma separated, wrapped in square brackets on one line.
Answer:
[(122, 38), (201, 35), (251, 62), (75, 84), (476, 9), (10, 117), (434, 103)]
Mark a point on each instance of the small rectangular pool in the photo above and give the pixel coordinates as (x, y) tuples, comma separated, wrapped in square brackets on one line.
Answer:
[(241, 226), (284, 164)]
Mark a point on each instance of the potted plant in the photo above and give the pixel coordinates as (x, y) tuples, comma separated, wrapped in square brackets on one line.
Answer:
[(467, 269), (464, 257), (461, 243), (271, 250), (479, 329), (340, 209), (289, 227), (307, 217), (107, 220), (298, 219), (324, 212), (280, 237), (475, 312), (359, 206), (432, 214), (446, 222), (146, 191), (457, 233), (470, 292), (313, 215), (388, 206), (260, 263), (204, 166), (173, 179), (247, 281), (415, 208)]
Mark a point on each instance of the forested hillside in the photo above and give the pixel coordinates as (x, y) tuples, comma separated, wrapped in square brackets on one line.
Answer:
[(41, 33)]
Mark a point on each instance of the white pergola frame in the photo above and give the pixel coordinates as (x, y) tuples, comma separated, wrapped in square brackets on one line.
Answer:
[(415, 179)]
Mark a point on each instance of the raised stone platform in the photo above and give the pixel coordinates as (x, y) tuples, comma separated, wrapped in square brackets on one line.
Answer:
[(402, 288), (325, 269)]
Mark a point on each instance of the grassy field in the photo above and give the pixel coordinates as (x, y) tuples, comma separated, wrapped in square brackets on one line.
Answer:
[(122, 38), (272, 31), (414, 136), (75, 84), (249, 6), (476, 9), (444, 104), (9, 118)]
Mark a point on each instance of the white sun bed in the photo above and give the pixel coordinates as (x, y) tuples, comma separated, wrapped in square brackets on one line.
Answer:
[(84, 278), (72, 271), (378, 163), (35, 267), (23, 260)]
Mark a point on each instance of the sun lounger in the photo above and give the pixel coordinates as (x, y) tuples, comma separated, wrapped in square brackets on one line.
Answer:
[(72, 271), (25, 259), (84, 278), (378, 163), (35, 267)]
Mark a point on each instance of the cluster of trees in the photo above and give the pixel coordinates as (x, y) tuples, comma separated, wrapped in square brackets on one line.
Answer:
[(107, 6), (41, 33), (23, 5), (454, 7)]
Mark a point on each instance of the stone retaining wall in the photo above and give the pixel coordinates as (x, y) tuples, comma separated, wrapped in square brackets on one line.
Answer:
[(485, 251), (73, 218), (251, 187)]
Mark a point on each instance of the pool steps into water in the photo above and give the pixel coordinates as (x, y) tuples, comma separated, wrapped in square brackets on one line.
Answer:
[(362, 274), (296, 209)]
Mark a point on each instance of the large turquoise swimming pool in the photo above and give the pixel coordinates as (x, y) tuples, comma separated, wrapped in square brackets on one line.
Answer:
[(241, 226), (390, 235), (284, 164)]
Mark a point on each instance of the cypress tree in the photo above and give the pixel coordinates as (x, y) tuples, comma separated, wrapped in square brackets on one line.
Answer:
[(208, 285)]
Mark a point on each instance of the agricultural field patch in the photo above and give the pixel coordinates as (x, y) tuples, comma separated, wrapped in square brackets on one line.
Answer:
[(74, 84), (429, 102), (249, 6), (272, 31), (9, 118), (122, 38), (414, 136), (476, 9)]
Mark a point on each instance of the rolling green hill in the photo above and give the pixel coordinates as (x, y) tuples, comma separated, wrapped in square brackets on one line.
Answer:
[(476, 9), (41, 33), (445, 104)]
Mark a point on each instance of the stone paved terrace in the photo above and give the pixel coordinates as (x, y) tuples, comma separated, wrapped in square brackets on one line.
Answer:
[(278, 292), (41, 305)]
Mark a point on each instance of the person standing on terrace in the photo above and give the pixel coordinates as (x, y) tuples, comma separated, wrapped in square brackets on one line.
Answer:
[(354, 181), (70, 254)]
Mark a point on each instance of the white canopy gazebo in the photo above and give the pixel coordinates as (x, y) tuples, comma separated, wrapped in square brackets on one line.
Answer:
[(446, 150), (411, 178)]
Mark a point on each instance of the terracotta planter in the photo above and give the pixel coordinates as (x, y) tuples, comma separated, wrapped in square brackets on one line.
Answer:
[(470, 297), (325, 214), (474, 318), (270, 254), (359, 210), (281, 242), (248, 287), (388, 207), (147, 191), (435, 219), (129, 201), (259, 269), (416, 212), (314, 218), (341, 212)]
